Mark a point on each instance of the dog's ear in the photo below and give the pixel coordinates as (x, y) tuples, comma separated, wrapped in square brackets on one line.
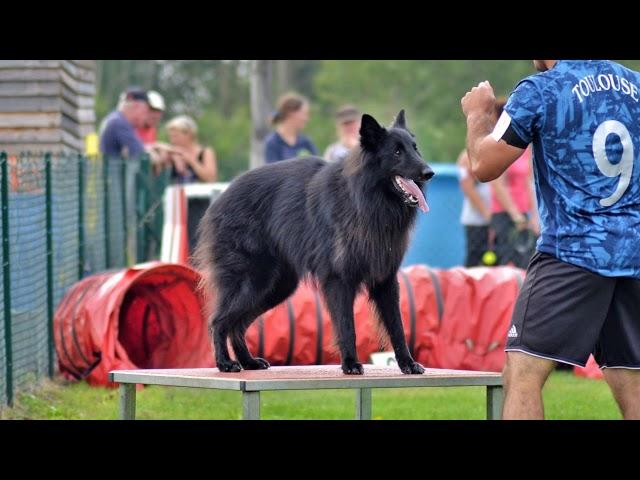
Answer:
[(400, 122), (371, 133)]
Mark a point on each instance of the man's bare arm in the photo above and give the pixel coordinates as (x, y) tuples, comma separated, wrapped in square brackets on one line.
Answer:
[(489, 157)]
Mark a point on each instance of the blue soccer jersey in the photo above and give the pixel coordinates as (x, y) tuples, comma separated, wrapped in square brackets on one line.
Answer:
[(583, 118)]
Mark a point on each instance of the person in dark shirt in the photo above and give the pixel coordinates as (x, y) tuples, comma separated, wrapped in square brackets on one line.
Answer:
[(118, 137), (286, 141)]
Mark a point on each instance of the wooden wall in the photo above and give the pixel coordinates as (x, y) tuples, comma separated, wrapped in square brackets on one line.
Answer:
[(46, 105)]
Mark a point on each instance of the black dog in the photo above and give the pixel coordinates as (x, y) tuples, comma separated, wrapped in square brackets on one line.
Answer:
[(346, 224)]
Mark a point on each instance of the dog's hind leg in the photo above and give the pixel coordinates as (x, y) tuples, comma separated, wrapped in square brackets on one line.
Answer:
[(247, 361), (386, 298), (339, 297), (235, 303), (284, 286), (220, 328)]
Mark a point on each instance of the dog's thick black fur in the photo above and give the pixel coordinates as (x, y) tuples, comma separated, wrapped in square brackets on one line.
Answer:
[(346, 224)]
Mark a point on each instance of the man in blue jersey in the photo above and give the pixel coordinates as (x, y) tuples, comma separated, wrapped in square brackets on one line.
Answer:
[(582, 290)]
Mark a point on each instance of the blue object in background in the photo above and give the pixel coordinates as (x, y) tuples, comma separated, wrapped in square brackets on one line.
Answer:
[(438, 239)]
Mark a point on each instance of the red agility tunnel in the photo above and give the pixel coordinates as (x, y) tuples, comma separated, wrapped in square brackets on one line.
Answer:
[(477, 308), (455, 318), (148, 316), (591, 370)]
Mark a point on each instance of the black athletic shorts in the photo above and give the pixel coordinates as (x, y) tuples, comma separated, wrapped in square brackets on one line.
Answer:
[(564, 313)]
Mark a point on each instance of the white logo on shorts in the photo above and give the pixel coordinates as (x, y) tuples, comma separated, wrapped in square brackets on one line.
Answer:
[(512, 332)]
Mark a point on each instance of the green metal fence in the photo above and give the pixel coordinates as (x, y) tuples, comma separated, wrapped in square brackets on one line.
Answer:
[(64, 216)]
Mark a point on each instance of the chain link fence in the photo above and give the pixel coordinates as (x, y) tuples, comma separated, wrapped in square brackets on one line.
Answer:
[(63, 217)]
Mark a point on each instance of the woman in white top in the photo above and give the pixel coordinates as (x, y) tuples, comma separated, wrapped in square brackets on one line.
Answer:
[(476, 212)]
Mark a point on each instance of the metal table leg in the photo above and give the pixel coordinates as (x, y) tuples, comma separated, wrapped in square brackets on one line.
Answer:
[(251, 405), (127, 401), (363, 404), (494, 402)]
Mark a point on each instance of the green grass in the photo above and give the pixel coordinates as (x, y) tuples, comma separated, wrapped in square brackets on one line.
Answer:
[(566, 397)]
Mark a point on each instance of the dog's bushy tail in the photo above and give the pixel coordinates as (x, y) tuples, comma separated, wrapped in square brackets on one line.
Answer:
[(202, 260)]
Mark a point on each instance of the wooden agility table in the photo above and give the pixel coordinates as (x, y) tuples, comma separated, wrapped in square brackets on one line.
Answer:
[(252, 382)]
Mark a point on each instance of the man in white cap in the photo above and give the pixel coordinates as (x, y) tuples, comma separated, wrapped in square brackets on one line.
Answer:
[(148, 133)]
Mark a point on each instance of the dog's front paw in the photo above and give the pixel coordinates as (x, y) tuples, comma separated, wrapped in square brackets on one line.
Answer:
[(352, 368), (230, 366), (256, 364), (413, 368)]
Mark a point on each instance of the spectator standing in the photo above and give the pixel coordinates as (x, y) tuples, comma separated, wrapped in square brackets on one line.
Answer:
[(287, 140), (348, 131)]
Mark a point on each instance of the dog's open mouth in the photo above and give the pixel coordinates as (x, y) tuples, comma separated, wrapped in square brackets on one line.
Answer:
[(412, 195)]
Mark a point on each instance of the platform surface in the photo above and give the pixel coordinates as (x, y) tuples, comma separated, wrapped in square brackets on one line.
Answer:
[(305, 378)]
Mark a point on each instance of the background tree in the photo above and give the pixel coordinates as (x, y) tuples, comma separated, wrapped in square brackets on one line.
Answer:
[(217, 94)]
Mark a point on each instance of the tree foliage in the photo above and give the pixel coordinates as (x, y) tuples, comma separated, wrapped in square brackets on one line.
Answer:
[(216, 94)]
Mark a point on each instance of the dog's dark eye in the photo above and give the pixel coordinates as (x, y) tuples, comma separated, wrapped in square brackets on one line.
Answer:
[(397, 152), (415, 147)]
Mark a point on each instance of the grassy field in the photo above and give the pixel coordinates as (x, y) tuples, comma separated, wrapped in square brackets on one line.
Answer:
[(566, 397)]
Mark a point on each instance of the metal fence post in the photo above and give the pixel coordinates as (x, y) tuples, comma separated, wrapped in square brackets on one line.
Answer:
[(49, 236), (107, 249), (125, 230), (6, 274), (142, 187), (81, 240)]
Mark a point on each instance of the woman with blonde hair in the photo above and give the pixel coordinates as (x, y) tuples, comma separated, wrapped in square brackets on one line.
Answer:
[(191, 162)]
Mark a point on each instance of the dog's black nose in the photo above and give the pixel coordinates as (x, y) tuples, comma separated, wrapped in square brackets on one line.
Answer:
[(426, 173)]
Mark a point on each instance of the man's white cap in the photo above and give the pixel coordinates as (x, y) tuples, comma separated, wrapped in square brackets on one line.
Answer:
[(155, 100)]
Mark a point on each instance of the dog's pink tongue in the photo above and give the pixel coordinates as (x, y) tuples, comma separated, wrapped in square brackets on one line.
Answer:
[(412, 188)]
